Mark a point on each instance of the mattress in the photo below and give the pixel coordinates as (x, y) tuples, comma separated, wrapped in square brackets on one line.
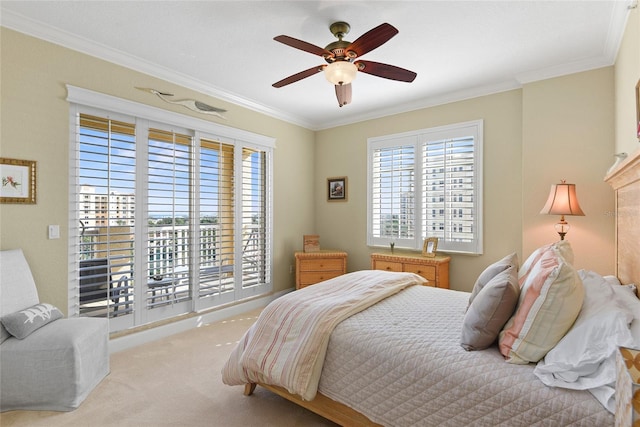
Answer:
[(400, 363)]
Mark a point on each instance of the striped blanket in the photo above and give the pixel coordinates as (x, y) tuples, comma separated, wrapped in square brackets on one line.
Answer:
[(287, 344)]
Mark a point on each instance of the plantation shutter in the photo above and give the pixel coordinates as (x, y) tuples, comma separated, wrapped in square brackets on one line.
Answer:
[(106, 211), (216, 247), (392, 193), (255, 227), (449, 182), (169, 218)]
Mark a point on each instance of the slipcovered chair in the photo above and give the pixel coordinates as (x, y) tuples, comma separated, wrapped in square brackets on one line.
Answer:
[(46, 362)]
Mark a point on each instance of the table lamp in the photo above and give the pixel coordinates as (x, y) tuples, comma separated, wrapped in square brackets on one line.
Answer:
[(562, 201)]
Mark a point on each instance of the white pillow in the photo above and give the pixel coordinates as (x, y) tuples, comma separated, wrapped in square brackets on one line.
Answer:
[(585, 357), (612, 280), (626, 294)]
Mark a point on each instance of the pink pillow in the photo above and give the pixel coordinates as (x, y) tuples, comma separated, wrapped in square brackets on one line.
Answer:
[(563, 247), (550, 300)]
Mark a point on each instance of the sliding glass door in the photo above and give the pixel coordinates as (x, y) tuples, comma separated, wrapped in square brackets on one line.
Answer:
[(170, 220)]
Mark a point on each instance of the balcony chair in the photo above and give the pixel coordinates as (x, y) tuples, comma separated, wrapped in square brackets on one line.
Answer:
[(164, 286), (96, 283), (55, 364)]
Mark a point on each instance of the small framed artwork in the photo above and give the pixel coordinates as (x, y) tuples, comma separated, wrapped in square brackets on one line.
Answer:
[(311, 243), (18, 181), (430, 246), (337, 189)]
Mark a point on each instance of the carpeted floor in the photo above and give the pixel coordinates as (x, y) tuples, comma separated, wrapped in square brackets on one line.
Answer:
[(175, 381)]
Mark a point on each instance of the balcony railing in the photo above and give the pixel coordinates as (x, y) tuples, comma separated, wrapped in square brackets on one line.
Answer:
[(106, 266)]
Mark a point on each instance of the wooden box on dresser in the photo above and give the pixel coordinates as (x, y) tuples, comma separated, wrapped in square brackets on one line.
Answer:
[(314, 267), (434, 269)]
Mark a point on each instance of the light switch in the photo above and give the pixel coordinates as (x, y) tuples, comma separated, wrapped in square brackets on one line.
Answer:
[(54, 232)]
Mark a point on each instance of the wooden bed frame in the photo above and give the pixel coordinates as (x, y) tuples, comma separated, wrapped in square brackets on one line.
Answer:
[(625, 180), (321, 405)]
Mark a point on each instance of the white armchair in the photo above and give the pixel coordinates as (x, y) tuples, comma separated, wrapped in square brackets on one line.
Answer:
[(56, 365)]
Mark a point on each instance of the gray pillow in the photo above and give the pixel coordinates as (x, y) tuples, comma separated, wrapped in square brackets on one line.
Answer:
[(491, 271), (490, 310), (3, 334), (22, 323)]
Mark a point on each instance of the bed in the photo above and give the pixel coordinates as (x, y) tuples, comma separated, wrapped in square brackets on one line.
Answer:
[(402, 357)]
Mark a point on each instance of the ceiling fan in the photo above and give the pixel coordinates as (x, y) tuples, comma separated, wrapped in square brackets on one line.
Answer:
[(342, 59)]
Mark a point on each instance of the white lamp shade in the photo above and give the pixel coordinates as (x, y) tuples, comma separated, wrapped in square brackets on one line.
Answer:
[(562, 200), (340, 72)]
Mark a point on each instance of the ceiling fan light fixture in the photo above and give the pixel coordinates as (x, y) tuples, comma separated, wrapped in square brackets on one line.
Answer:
[(340, 72)]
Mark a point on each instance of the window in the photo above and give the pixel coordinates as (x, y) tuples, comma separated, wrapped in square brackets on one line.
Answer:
[(427, 183), (171, 214)]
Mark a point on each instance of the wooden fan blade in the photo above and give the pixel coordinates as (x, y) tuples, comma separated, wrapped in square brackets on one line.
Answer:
[(299, 76), (302, 45), (386, 71), (343, 93), (372, 39)]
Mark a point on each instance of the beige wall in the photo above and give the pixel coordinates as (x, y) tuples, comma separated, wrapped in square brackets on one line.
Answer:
[(34, 117), (343, 151), (627, 75), (568, 134)]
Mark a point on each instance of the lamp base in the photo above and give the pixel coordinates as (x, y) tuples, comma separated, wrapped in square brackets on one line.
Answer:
[(562, 227)]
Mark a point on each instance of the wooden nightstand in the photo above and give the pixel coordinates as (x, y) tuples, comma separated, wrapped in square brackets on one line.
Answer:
[(435, 270), (314, 267)]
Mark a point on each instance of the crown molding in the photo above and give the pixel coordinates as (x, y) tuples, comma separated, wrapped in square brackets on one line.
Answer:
[(67, 40), (45, 32)]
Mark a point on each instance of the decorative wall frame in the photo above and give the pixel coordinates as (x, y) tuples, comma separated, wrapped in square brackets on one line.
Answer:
[(429, 247), (337, 189), (18, 181)]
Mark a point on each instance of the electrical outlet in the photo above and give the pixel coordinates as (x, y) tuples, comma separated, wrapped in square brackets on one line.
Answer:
[(290, 268)]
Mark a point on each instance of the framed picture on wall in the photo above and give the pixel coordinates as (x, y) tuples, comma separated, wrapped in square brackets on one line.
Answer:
[(337, 189), (18, 181)]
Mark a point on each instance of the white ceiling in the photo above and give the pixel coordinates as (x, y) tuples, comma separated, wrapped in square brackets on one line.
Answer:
[(459, 49)]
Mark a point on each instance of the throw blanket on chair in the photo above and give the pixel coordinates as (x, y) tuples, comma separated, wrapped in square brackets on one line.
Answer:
[(287, 344)]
